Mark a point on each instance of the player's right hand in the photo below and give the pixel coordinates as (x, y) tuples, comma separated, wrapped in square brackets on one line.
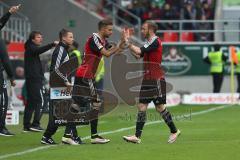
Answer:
[(69, 86), (56, 42), (14, 9)]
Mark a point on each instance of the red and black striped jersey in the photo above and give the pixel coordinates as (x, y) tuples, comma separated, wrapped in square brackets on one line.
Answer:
[(92, 57), (152, 57)]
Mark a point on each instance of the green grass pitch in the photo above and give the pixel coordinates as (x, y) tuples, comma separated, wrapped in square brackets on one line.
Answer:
[(208, 132)]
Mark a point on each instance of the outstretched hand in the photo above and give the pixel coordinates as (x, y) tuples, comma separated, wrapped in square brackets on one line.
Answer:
[(126, 34), (14, 9)]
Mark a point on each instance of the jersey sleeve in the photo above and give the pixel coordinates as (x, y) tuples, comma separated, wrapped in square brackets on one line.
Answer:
[(149, 47), (95, 44)]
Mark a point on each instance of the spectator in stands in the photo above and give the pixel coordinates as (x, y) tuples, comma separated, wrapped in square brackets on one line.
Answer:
[(169, 10), (130, 8), (159, 3), (154, 12), (176, 7), (139, 7), (207, 11), (209, 2), (125, 4), (203, 36), (189, 13), (169, 14), (147, 7)]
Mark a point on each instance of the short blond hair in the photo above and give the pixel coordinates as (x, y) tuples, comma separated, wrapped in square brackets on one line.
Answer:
[(152, 25)]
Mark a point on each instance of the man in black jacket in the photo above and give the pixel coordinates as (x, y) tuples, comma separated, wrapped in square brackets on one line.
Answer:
[(60, 56), (34, 80), (5, 65)]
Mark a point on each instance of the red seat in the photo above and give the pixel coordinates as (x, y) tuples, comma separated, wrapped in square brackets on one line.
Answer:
[(187, 37), (170, 36), (16, 47)]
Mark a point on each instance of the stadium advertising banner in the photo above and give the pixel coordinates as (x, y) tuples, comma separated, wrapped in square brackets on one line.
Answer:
[(16, 99), (12, 117), (60, 93), (187, 59), (210, 98)]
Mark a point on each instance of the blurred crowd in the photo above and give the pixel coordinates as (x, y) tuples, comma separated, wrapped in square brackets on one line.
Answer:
[(167, 10)]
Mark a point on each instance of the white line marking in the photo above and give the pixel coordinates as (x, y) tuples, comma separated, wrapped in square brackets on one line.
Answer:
[(82, 126), (110, 132)]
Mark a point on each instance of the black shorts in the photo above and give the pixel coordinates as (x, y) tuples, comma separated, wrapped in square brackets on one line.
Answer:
[(84, 91), (153, 90)]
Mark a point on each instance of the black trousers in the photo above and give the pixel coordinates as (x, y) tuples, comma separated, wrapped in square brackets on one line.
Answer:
[(3, 106), (34, 103), (217, 82), (238, 81), (52, 127)]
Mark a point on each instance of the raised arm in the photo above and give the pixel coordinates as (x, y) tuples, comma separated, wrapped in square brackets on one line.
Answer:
[(135, 50), (110, 51), (7, 15), (148, 47), (33, 49), (96, 46)]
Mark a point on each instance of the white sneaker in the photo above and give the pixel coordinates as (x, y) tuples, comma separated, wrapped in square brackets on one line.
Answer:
[(99, 140), (132, 139), (69, 141), (173, 137)]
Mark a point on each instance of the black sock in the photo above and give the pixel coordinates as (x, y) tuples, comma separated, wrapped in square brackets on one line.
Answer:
[(94, 124), (68, 131), (141, 119), (168, 120)]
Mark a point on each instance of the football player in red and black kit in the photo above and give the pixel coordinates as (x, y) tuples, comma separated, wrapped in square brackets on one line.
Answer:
[(153, 86), (84, 91)]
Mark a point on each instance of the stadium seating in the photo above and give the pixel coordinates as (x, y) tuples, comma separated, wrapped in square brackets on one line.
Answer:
[(187, 37), (16, 47), (170, 36)]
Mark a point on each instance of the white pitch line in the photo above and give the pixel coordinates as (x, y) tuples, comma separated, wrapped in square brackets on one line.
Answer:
[(82, 126), (109, 132)]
